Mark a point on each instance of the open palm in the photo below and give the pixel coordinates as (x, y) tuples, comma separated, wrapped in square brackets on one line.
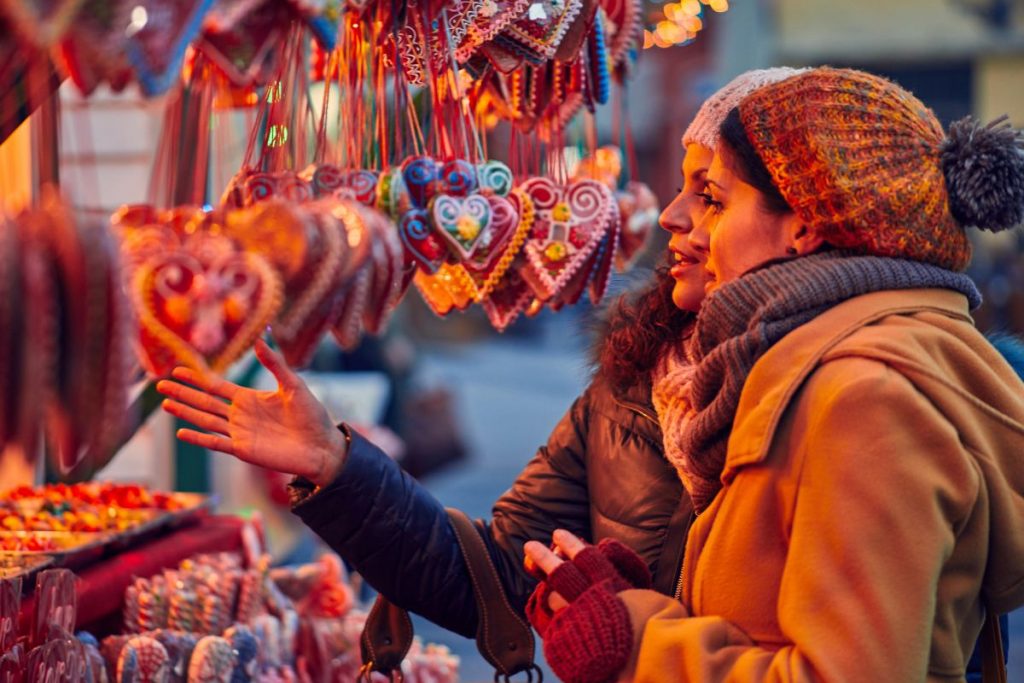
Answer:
[(287, 430)]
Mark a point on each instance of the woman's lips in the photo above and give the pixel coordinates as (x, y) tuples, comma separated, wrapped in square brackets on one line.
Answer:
[(683, 263)]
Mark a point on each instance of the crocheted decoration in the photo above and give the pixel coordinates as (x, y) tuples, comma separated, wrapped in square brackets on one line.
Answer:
[(704, 129), (984, 168), (858, 158)]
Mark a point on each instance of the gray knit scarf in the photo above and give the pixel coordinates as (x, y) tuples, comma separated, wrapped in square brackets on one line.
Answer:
[(743, 319)]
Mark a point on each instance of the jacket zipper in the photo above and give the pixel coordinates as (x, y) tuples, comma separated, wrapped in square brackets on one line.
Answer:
[(682, 563), (638, 410)]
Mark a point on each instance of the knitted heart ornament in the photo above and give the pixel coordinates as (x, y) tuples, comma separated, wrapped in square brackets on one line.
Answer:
[(569, 224), (420, 175), (202, 314), (156, 48), (494, 177)]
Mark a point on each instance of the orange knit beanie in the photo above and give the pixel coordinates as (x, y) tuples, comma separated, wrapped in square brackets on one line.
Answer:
[(865, 164)]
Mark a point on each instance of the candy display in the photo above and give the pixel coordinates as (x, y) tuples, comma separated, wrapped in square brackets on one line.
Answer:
[(70, 524)]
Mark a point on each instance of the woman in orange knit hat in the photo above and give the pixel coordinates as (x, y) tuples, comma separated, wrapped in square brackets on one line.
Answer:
[(853, 442)]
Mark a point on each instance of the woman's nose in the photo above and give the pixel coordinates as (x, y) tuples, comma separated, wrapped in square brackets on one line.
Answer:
[(700, 238), (674, 219)]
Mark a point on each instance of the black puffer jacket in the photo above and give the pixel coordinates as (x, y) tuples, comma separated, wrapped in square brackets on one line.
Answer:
[(601, 474)]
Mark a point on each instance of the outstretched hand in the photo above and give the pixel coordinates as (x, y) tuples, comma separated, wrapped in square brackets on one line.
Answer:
[(287, 430)]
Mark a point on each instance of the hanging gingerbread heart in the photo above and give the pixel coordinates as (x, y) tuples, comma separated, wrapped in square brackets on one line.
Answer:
[(388, 260), (624, 27), (202, 315), (327, 180), (393, 197), (239, 41), (639, 211), (457, 178), (489, 265), (508, 300), (41, 23), (276, 229), (607, 254), (461, 222), (570, 222), (540, 30), (348, 328), (434, 293), (494, 177), (493, 17), (576, 35), (85, 413), (420, 176), (158, 36), (423, 246), (93, 49)]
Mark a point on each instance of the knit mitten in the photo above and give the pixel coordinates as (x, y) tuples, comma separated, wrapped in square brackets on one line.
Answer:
[(590, 640)]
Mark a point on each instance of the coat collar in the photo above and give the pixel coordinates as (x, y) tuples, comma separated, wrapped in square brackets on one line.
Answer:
[(779, 373)]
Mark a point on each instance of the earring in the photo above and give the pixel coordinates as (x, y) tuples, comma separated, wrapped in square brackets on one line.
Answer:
[(791, 251)]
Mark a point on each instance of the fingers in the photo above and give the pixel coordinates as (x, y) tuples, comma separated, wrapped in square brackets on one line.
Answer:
[(276, 364), (208, 382), (192, 397), (210, 441), (211, 423), (569, 545), (542, 557)]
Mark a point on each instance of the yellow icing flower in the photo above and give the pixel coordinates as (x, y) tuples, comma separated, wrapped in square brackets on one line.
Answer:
[(555, 251), (561, 212), (467, 227)]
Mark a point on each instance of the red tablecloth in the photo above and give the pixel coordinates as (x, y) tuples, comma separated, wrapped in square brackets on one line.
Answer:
[(102, 584)]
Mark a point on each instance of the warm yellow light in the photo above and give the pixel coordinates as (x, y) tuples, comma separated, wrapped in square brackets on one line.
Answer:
[(648, 40), (692, 24), (672, 12), (670, 32), (719, 5), (661, 42), (690, 7)]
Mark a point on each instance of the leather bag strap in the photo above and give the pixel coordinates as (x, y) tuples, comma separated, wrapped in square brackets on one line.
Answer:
[(993, 663), (385, 640), (502, 635)]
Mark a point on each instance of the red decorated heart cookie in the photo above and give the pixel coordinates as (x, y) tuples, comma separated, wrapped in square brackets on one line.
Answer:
[(538, 33), (510, 225), (202, 314), (508, 300), (569, 224)]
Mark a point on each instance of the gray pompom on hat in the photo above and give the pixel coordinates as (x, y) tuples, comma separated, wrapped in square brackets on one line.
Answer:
[(984, 170)]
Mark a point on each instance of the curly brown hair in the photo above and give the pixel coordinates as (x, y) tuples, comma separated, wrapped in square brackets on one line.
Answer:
[(637, 329)]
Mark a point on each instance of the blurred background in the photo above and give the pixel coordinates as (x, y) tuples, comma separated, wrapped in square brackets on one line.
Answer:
[(465, 408)]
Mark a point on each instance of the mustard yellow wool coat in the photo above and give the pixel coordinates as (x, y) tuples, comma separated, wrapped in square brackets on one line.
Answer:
[(873, 500)]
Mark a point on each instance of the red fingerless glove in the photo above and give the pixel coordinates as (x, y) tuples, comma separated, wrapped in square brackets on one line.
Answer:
[(590, 640)]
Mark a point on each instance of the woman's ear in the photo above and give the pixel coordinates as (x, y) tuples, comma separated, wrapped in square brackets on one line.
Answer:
[(803, 240)]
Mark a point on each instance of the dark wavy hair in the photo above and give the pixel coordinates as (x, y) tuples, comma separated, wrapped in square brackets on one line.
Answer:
[(741, 157), (637, 328)]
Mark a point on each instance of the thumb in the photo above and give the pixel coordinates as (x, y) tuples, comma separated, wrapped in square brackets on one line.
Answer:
[(276, 364)]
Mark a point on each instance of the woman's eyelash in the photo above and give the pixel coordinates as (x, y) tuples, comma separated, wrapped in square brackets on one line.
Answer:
[(709, 200)]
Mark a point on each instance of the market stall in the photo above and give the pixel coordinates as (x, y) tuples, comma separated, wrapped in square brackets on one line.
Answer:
[(443, 147)]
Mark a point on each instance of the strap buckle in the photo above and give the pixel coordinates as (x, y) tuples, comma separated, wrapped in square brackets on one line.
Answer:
[(530, 670)]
